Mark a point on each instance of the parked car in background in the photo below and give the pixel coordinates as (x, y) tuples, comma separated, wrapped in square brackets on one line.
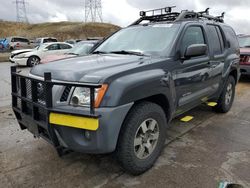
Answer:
[(33, 57), (15, 43), (43, 40), (244, 41), (80, 49), (4, 44), (73, 41)]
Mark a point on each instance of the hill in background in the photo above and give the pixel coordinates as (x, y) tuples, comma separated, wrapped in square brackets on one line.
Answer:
[(60, 30)]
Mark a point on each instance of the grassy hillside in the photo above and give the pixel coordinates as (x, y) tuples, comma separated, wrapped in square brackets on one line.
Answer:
[(60, 30)]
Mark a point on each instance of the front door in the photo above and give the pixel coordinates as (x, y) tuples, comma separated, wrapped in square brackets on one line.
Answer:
[(193, 74)]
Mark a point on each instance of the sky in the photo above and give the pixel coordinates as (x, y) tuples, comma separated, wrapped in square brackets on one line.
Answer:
[(124, 12)]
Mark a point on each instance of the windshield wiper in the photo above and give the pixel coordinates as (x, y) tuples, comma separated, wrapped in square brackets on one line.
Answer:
[(125, 52), (99, 52)]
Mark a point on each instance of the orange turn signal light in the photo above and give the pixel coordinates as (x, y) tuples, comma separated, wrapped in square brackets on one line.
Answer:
[(100, 94)]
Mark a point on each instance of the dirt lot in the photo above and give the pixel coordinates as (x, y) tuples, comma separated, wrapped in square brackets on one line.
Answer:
[(209, 149)]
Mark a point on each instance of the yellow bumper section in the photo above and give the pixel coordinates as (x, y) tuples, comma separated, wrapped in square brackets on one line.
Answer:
[(74, 121)]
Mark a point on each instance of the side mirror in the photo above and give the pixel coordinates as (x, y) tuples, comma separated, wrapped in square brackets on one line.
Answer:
[(195, 50)]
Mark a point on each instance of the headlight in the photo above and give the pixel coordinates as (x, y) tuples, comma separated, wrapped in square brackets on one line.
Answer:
[(81, 96)]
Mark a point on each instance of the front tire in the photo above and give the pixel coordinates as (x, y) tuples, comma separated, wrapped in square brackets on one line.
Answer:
[(142, 138), (33, 61), (227, 96)]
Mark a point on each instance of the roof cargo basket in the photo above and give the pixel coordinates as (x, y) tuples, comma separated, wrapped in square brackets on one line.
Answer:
[(166, 15), (159, 11)]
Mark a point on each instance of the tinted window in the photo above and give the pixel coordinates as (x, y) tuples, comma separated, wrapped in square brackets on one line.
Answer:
[(215, 39), (231, 37), (49, 40), (53, 47), (193, 35), (64, 46)]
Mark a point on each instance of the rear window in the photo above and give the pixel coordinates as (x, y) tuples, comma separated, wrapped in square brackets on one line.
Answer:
[(244, 41), (49, 40), (20, 40), (64, 46)]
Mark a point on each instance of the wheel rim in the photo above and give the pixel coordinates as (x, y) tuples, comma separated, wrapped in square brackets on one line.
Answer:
[(34, 61), (229, 94), (146, 138)]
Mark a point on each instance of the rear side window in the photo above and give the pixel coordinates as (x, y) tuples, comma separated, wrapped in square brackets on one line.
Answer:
[(231, 37), (64, 46), (193, 35), (49, 40), (215, 39), (53, 47)]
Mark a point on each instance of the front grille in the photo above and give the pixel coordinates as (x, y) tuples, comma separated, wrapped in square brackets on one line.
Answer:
[(40, 90), (65, 94)]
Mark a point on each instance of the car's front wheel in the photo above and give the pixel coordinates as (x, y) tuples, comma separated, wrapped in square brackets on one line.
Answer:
[(227, 96), (142, 138), (33, 61)]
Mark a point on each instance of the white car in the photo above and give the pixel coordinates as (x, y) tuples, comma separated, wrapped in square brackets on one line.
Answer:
[(33, 57)]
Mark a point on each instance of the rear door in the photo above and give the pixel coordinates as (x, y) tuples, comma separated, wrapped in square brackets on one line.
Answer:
[(218, 54), (50, 49), (192, 75)]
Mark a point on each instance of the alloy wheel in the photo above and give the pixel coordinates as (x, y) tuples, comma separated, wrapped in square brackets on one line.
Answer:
[(146, 138)]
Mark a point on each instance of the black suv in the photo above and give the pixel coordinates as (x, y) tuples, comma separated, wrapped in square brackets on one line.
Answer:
[(122, 97)]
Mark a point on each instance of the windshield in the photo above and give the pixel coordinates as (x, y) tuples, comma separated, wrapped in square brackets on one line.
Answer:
[(244, 42), (81, 49), (149, 39)]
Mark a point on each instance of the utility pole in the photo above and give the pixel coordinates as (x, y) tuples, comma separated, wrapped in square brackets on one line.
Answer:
[(93, 10), (21, 15)]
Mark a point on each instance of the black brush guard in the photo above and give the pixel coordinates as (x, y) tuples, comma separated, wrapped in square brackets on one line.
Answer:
[(32, 102)]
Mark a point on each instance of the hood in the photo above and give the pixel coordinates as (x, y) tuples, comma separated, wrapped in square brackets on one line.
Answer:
[(90, 69), (15, 52)]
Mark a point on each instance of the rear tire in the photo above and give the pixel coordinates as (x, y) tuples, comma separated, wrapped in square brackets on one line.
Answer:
[(33, 61), (227, 96), (142, 138)]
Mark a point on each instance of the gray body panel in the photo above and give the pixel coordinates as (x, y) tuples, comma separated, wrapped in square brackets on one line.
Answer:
[(184, 84)]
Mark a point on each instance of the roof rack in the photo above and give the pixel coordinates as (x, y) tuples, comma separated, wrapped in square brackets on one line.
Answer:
[(166, 15)]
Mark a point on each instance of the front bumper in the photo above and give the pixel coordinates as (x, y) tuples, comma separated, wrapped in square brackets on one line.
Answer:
[(245, 69), (80, 129), (84, 140), (19, 61)]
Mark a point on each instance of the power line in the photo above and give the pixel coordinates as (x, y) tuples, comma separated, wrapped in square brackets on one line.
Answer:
[(21, 15), (93, 10)]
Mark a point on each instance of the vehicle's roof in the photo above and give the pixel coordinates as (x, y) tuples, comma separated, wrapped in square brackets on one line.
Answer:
[(17, 37), (201, 21), (49, 43), (46, 38)]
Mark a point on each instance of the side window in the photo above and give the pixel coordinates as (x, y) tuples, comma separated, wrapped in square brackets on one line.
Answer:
[(52, 47), (221, 38), (231, 37), (215, 40), (193, 35), (64, 46)]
